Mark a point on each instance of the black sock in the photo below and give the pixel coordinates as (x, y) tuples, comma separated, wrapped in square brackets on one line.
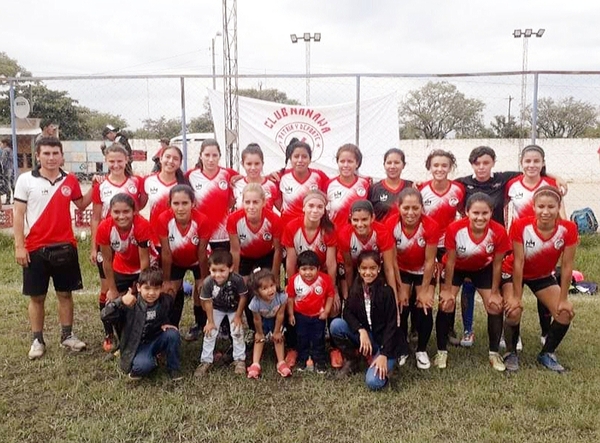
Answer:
[(424, 324), (511, 336), (199, 316), (39, 336), (177, 308), (545, 318), (451, 321), (101, 305), (442, 325), (495, 330), (555, 335), (66, 330)]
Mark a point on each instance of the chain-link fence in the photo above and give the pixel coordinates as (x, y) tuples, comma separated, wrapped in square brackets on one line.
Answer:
[(139, 98)]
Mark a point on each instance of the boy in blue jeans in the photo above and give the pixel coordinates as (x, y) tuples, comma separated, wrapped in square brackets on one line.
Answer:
[(146, 328)]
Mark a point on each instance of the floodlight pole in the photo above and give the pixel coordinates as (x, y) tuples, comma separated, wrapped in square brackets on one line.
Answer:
[(307, 37), (214, 69)]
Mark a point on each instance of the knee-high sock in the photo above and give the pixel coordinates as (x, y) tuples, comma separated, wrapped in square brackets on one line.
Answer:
[(495, 330), (555, 335)]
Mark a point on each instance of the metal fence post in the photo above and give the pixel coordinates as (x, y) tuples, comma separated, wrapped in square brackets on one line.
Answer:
[(13, 127), (183, 124), (534, 111), (357, 135)]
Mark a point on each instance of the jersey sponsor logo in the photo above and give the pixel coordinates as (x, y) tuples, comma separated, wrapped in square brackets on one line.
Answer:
[(223, 185), (65, 190), (398, 242), (288, 189), (107, 193), (195, 240), (361, 192), (461, 249), (44, 192), (153, 190), (427, 202), (518, 195), (337, 194), (267, 236), (506, 276), (558, 244), (421, 242), (453, 202), (115, 244), (318, 290), (353, 250), (171, 238), (198, 186), (489, 248), (132, 189), (530, 244), (242, 236)]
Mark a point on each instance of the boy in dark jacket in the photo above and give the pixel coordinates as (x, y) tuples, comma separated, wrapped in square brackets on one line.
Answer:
[(146, 328)]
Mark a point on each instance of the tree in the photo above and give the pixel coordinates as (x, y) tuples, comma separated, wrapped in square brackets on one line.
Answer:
[(96, 121), (504, 127), (567, 118), (270, 95), (159, 128), (439, 108)]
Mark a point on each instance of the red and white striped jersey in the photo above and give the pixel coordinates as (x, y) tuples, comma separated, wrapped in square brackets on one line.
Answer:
[(541, 255), (213, 198), (183, 242), (126, 258), (443, 208), (520, 196), (270, 188), (410, 249), (379, 240), (294, 236), (48, 213), (341, 197), (158, 196), (474, 254), (103, 192), (294, 190), (255, 243)]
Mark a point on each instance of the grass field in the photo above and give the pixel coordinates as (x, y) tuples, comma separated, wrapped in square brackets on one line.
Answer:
[(84, 398)]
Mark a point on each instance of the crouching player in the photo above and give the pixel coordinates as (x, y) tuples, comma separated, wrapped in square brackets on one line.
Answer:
[(146, 331)]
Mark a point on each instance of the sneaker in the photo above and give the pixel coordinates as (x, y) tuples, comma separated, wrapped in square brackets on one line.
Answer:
[(519, 344), (496, 361), (468, 339), (291, 357), (37, 350), (193, 333), (239, 367), (73, 343), (134, 377), (511, 362), (175, 375), (254, 371), (202, 369), (543, 339), (549, 361), (441, 359), (336, 359), (422, 360), (301, 367), (283, 369), (401, 361), (453, 339), (321, 368), (108, 345)]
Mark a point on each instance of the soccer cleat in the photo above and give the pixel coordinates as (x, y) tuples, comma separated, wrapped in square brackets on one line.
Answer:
[(441, 359), (468, 339), (108, 344), (549, 361), (291, 357), (239, 367), (73, 343), (37, 350), (193, 333), (202, 369), (320, 368), (496, 361), (336, 359), (511, 362), (401, 360), (422, 360)]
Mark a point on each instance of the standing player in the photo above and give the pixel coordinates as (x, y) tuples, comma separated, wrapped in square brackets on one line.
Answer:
[(253, 161), (42, 208)]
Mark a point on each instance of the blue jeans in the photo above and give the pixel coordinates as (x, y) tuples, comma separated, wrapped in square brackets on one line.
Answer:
[(340, 330), (311, 339), (145, 357)]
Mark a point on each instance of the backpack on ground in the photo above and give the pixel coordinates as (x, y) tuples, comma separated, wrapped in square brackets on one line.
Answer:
[(586, 220)]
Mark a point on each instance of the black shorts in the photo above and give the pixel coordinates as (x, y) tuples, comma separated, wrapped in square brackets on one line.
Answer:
[(408, 278), (59, 262), (535, 285), (214, 245), (177, 272), (247, 264), (481, 279), (126, 281), (439, 254)]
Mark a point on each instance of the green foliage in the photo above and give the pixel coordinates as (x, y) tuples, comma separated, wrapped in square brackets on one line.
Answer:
[(565, 118), (504, 127), (270, 95), (439, 108), (159, 128), (96, 121)]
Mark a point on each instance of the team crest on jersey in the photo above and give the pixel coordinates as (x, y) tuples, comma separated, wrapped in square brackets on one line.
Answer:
[(453, 202), (489, 248), (65, 190), (361, 192), (223, 185), (558, 244), (323, 247), (318, 290), (195, 240), (267, 236), (383, 197), (530, 244), (421, 242), (132, 189), (134, 242)]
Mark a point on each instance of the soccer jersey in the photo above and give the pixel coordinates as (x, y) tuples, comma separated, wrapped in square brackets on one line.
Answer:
[(410, 248), (385, 199), (293, 191), (48, 212), (379, 240), (255, 243), (520, 196), (268, 309), (158, 196), (474, 254), (310, 297), (341, 197), (126, 257), (294, 236), (213, 198), (183, 242), (270, 188), (102, 193), (541, 255), (444, 207)]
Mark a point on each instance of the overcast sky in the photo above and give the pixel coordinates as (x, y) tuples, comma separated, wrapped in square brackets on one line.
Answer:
[(380, 36)]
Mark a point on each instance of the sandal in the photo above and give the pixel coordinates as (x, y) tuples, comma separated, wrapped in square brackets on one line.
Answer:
[(254, 370), (283, 369)]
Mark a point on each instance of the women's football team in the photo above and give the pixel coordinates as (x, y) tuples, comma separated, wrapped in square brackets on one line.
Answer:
[(295, 254)]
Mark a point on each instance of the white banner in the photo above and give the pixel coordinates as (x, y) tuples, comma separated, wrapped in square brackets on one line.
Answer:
[(324, 128)]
